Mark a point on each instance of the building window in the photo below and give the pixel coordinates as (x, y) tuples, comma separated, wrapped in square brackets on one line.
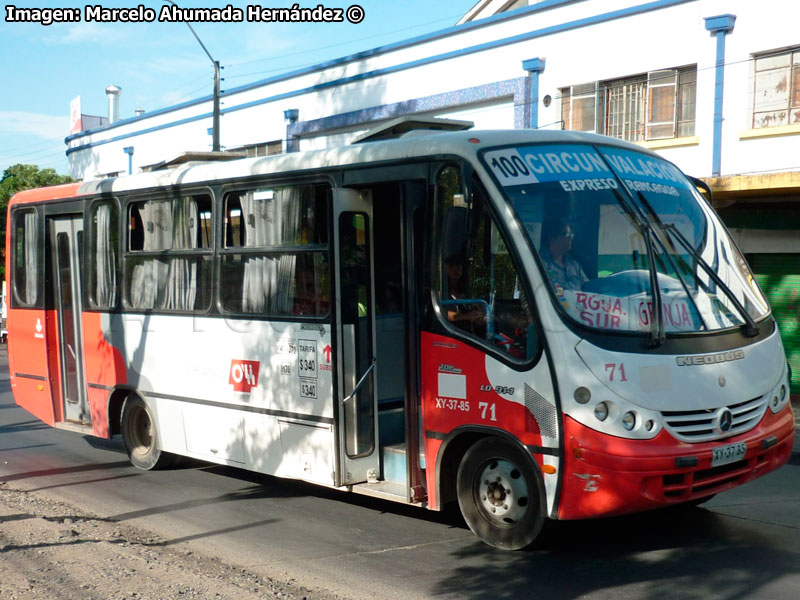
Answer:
[(656, 105), (266, 149), (776, 100), (624, 108), (578, 105)]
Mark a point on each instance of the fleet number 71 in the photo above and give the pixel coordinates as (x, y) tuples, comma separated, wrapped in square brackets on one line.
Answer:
[(612, 368), (484, 406)]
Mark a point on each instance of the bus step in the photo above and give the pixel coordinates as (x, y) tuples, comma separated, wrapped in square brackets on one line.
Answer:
[(74, 426), (386, 490), (394, 463)]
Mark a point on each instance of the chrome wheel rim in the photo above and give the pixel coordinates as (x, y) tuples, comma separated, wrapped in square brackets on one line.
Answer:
[(502, 493)]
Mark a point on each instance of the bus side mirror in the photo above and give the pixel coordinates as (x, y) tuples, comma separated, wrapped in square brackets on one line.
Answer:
[(454, 234), (704, 187)]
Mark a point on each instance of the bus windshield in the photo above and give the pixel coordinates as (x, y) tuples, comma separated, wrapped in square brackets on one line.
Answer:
[(619, 233)]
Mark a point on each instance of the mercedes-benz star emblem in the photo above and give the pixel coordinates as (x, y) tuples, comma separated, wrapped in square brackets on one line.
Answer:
[(725, 421)]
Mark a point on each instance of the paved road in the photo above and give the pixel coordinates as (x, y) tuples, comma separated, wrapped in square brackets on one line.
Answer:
[(744, 544)]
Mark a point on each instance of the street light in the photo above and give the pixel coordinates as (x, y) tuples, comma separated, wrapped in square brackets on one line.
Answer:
[(215, 118)]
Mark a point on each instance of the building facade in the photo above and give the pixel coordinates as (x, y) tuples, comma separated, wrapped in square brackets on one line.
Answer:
[(712, 85)]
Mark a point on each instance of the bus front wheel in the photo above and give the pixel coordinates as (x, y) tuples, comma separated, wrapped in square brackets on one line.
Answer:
[(499, 494), (140, 436)]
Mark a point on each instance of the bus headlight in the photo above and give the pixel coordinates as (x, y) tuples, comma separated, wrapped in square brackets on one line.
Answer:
[(629, 420), (611, 414), (601, 411), (779, 397), (582, 395)]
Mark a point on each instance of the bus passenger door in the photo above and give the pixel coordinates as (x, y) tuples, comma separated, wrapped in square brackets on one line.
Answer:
[(66, 236), (355, 338)]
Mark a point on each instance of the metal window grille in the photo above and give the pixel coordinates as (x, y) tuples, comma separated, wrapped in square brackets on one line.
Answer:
[(656, 105), (624, 108)]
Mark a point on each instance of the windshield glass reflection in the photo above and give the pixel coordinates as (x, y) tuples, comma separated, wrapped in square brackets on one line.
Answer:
[(608, 223)]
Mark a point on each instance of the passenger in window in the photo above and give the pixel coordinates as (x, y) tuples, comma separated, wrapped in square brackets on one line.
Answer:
[(564, 271), (465, 315)]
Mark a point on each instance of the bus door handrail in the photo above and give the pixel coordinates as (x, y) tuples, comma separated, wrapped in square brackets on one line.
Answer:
[(361, 381)]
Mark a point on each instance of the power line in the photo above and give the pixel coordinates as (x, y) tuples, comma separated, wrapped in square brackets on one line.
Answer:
[(13, 150), (40, 152)]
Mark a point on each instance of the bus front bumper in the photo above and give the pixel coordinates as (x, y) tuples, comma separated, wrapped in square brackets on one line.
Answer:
[(605, 475)]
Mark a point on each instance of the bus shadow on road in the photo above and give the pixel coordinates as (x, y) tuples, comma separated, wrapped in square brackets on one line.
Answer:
[(676, 552), (33, 425), (112, 445), (268, 486), (28, 447), (65, 470)]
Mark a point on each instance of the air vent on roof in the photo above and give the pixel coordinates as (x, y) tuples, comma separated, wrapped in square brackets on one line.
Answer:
[(397, 127)]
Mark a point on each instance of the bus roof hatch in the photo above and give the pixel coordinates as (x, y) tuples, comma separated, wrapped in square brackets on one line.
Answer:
[(402, 125)]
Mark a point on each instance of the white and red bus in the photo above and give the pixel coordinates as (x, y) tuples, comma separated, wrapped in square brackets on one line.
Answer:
[(536, 325)]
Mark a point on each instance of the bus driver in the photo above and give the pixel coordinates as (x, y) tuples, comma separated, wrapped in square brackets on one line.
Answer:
[(556, 253)]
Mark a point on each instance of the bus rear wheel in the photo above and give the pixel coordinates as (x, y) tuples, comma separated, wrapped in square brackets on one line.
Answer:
[(500, 494), (140, 436)]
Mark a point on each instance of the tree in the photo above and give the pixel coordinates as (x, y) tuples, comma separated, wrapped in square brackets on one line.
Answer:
[(15, 179)]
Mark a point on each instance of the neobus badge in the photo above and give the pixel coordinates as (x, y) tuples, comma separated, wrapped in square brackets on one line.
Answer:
[(244, 375), (709, 359)]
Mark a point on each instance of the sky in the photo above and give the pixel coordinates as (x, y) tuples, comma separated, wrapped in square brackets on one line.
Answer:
[(160, 64)]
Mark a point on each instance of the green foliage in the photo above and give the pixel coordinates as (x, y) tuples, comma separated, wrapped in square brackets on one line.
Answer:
[(15, 179), (780, 284)]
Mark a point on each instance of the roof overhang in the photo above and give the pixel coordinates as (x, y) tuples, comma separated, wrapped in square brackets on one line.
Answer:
[(731, 187)]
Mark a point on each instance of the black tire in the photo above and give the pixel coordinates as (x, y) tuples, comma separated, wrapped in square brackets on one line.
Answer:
[(140, 436), (500, 494)]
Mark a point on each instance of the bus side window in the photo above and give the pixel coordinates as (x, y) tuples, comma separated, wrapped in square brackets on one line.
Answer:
[(103, 253), (169, 262), (275, 258), (27, 258), (481, 291)]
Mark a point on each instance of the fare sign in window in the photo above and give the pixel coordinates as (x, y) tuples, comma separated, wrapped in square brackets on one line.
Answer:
[(634, 313)]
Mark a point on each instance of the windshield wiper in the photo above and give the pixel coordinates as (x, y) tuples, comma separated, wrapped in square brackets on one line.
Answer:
[(751, 329), (657, 332)]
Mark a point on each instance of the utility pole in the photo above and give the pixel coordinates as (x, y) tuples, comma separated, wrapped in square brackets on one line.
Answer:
[(215, 117)]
